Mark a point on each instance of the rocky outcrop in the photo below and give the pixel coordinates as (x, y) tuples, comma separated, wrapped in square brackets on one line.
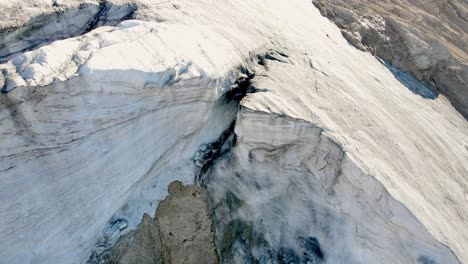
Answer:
[(427, 38), (185, 226), (142, 246), (179, 233)]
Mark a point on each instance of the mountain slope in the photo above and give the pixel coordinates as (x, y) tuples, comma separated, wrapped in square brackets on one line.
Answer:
[(95, 127), (427, 38)]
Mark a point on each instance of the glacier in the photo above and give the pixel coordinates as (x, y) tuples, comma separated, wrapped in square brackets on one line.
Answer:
[(326, 156)]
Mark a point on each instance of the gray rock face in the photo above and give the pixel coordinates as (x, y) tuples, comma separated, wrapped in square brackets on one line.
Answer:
[(142, 246), (427, 38), (179, 233), (185, 226)]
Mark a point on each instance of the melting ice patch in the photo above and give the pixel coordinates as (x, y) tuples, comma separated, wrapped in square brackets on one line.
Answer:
[(413, 84)]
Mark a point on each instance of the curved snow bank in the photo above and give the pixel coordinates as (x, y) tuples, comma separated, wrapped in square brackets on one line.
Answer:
[(287, 193), (417, 148), (133, 54), (35, 24)]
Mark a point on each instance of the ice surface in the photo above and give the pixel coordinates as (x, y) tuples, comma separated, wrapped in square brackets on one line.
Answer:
[(95, 127)]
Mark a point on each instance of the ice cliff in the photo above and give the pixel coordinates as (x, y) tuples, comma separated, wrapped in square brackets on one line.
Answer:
[(308, 150)]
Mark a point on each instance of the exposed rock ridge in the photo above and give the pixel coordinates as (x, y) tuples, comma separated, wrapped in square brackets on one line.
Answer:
[(142, 246), (186, 230), (427, 38), (180, 233)]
